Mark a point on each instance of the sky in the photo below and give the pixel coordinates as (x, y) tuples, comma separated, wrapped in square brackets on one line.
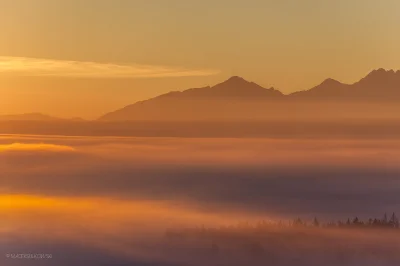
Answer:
[(73, 58)]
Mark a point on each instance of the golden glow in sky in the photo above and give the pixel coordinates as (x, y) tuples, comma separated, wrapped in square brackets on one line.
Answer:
[(32, 67)]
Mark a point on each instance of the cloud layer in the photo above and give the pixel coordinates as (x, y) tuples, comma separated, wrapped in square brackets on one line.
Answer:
[(110, 202), (24, 66), (34, 147), (273, 177)]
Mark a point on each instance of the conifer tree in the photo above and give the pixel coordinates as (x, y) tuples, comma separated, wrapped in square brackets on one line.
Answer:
[(316, 222)]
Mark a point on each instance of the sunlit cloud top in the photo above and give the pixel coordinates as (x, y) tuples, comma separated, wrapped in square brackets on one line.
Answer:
[(23, 66), (23, 147)]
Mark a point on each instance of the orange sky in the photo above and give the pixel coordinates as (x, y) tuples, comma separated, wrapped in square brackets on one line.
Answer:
[(85, 58)]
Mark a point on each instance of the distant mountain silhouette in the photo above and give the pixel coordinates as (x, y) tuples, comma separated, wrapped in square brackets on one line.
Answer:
[(233, 87), (36, 117), (328, 88), (378, 85), (369, 108), (200, 103), (27, 117), (238, 99)]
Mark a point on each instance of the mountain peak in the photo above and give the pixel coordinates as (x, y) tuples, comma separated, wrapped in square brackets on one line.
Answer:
[(330, 81), (382, 72), (235, 80), (239, 87), (381, 77)]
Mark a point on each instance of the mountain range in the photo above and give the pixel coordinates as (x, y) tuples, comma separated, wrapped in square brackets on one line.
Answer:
[(27, 117), (376, 96), (238, 99), (369, 108), (378, 85)]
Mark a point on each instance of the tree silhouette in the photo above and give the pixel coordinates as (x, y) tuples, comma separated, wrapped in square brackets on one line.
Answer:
[(394, 222), (385, 219), (356, 221), (298, 222), (316, 222)]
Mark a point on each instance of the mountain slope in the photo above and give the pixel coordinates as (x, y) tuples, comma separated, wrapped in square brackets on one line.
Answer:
[(380, 84), (330, 88), (233, 87), (222, 101)]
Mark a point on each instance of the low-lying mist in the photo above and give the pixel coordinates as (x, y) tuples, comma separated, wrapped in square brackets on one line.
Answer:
[(111, 200)]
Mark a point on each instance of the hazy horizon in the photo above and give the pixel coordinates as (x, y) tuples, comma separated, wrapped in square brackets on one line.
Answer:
[(232, 79)]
